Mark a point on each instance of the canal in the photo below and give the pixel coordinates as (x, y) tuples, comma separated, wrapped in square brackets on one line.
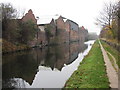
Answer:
[(49, 67)]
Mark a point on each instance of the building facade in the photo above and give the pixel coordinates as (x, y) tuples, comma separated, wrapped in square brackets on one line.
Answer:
[(55, 30)]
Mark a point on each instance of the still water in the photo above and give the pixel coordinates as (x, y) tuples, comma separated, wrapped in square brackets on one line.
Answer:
[(49, 67)]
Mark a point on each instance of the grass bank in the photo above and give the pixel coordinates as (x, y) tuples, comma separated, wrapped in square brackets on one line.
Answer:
[(91, 73), (8, 47), (113, 51)]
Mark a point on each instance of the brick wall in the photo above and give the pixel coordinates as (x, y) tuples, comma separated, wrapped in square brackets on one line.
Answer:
[(61, 31), (29, 16), (60, 23), (67, 28)]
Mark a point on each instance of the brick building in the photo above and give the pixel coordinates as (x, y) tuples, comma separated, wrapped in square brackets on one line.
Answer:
[(84, 33), (73, 28), (43, 25), (61, 30), (29, 16), (65, 30)]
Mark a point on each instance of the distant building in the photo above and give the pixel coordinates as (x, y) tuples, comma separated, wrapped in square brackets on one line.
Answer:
[(83, 33)]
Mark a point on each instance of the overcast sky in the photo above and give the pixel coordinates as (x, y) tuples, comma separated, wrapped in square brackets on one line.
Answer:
[(83, 12)]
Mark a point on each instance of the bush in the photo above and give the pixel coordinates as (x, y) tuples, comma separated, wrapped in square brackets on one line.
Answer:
[(10, 47)]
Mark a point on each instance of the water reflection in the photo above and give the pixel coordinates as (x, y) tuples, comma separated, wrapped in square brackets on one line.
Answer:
[(39, 67)]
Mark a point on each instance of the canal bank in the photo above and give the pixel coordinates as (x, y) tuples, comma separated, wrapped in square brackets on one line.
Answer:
[(91, 72), (8, 47)]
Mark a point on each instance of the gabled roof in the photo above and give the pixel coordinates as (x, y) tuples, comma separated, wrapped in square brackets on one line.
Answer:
[(71, 21), (29, 16)]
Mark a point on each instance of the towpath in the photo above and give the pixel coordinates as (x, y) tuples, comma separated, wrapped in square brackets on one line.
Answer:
[(111, 73)]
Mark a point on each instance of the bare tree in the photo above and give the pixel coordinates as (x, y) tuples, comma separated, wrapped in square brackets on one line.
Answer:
[(106, 15), (117, 10), (109, 17)]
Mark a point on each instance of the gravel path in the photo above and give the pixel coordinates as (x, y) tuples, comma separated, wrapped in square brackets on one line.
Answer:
[(111, 73)]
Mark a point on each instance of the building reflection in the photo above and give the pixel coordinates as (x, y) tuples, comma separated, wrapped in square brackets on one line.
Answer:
[(25, 64)]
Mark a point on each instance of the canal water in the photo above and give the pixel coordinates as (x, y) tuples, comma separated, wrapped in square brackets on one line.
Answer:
[(49, 67)]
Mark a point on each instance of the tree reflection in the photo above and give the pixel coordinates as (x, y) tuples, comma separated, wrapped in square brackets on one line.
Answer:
[(25, 64)]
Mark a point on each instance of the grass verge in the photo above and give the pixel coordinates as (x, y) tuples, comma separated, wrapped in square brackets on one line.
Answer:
[(91, 73), (113, 51)]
